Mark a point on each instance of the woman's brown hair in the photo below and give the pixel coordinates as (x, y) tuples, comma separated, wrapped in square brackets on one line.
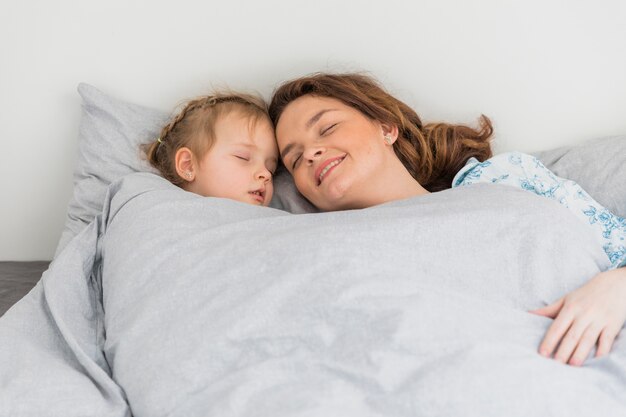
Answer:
[(432, 153), (194, 127)]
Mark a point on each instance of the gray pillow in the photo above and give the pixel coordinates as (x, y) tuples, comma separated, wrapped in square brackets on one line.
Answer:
[(111, 131), (108, 148), (286, 195), (599, 166)]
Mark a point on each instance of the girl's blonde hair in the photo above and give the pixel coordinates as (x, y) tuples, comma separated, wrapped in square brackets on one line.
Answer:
[(432, 153), (194, 127)]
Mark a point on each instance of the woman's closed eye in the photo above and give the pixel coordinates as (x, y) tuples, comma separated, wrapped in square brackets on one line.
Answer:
[(328, 129), (296, 161)]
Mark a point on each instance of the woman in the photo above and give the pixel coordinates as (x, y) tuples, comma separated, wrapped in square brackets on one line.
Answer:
[(349, 144)]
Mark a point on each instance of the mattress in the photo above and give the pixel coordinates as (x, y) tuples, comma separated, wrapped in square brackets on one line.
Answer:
[(17, 279)]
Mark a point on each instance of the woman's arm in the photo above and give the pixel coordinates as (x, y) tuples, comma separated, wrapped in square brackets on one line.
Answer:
[(596, 312), (592, 314)]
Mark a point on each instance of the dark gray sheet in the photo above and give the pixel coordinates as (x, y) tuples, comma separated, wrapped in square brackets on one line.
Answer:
[(17, 279)]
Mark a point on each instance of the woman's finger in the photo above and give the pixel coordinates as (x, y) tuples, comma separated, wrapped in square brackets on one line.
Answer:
[(571, 339), (555, 332), (586, 343), (550, 310), (607, 337)]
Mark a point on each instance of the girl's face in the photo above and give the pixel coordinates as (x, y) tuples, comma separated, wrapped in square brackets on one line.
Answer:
[(337, 156), (241, 162)]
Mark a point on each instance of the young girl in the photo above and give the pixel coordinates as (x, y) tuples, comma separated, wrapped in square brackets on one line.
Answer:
[(220, 145)]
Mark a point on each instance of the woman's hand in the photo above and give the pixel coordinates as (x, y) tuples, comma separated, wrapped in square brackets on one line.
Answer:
[(594, 313)]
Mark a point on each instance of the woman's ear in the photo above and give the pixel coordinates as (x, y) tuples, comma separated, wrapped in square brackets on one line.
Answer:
[(184, 163), (390, 133)]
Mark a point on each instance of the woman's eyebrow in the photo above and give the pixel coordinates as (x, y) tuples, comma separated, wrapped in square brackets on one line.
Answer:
[(287, 149), (308, 125), (316, 117)]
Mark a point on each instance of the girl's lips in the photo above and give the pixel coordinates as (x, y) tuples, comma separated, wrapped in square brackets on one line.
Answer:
[(320, 169), (258, 195)]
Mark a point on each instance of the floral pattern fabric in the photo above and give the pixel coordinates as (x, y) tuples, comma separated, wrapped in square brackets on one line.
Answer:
[(528, 173)]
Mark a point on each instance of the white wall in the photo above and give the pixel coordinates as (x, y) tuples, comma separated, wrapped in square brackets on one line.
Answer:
[(548, 73)]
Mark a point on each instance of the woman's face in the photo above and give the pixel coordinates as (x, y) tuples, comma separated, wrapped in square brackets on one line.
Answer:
[(336, 155)]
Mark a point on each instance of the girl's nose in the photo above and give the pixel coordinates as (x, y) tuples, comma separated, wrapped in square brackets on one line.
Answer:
[(264, 174)]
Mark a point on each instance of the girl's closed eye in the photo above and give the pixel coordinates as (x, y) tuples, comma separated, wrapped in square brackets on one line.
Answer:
[(242, 157)]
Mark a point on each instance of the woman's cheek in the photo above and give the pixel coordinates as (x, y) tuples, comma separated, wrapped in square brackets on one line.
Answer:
[(302, 185)]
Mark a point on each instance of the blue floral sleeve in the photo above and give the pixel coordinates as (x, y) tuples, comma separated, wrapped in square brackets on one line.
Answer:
[(527, 172)]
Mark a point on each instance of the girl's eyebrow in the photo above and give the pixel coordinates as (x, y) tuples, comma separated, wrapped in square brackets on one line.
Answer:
[(245, 144)]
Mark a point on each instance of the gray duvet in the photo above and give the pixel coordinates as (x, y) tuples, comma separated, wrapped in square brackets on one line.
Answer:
[(170, 304)]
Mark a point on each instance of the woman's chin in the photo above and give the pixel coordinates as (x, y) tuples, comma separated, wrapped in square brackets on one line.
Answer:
[(334, 197)]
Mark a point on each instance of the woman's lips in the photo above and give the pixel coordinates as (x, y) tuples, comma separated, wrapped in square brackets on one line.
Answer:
[(325, 167)]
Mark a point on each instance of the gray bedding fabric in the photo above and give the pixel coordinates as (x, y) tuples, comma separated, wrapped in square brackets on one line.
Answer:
[(17, 279), (212, 307)]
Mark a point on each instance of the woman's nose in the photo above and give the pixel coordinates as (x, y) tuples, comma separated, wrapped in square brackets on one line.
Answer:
[(313, 153)]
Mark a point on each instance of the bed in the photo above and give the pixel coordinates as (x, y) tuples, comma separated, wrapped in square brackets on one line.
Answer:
[(16, 279), (163, 303)]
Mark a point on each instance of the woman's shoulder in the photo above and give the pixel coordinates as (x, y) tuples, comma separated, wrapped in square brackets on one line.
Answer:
[(514, 158), (499, 168)]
